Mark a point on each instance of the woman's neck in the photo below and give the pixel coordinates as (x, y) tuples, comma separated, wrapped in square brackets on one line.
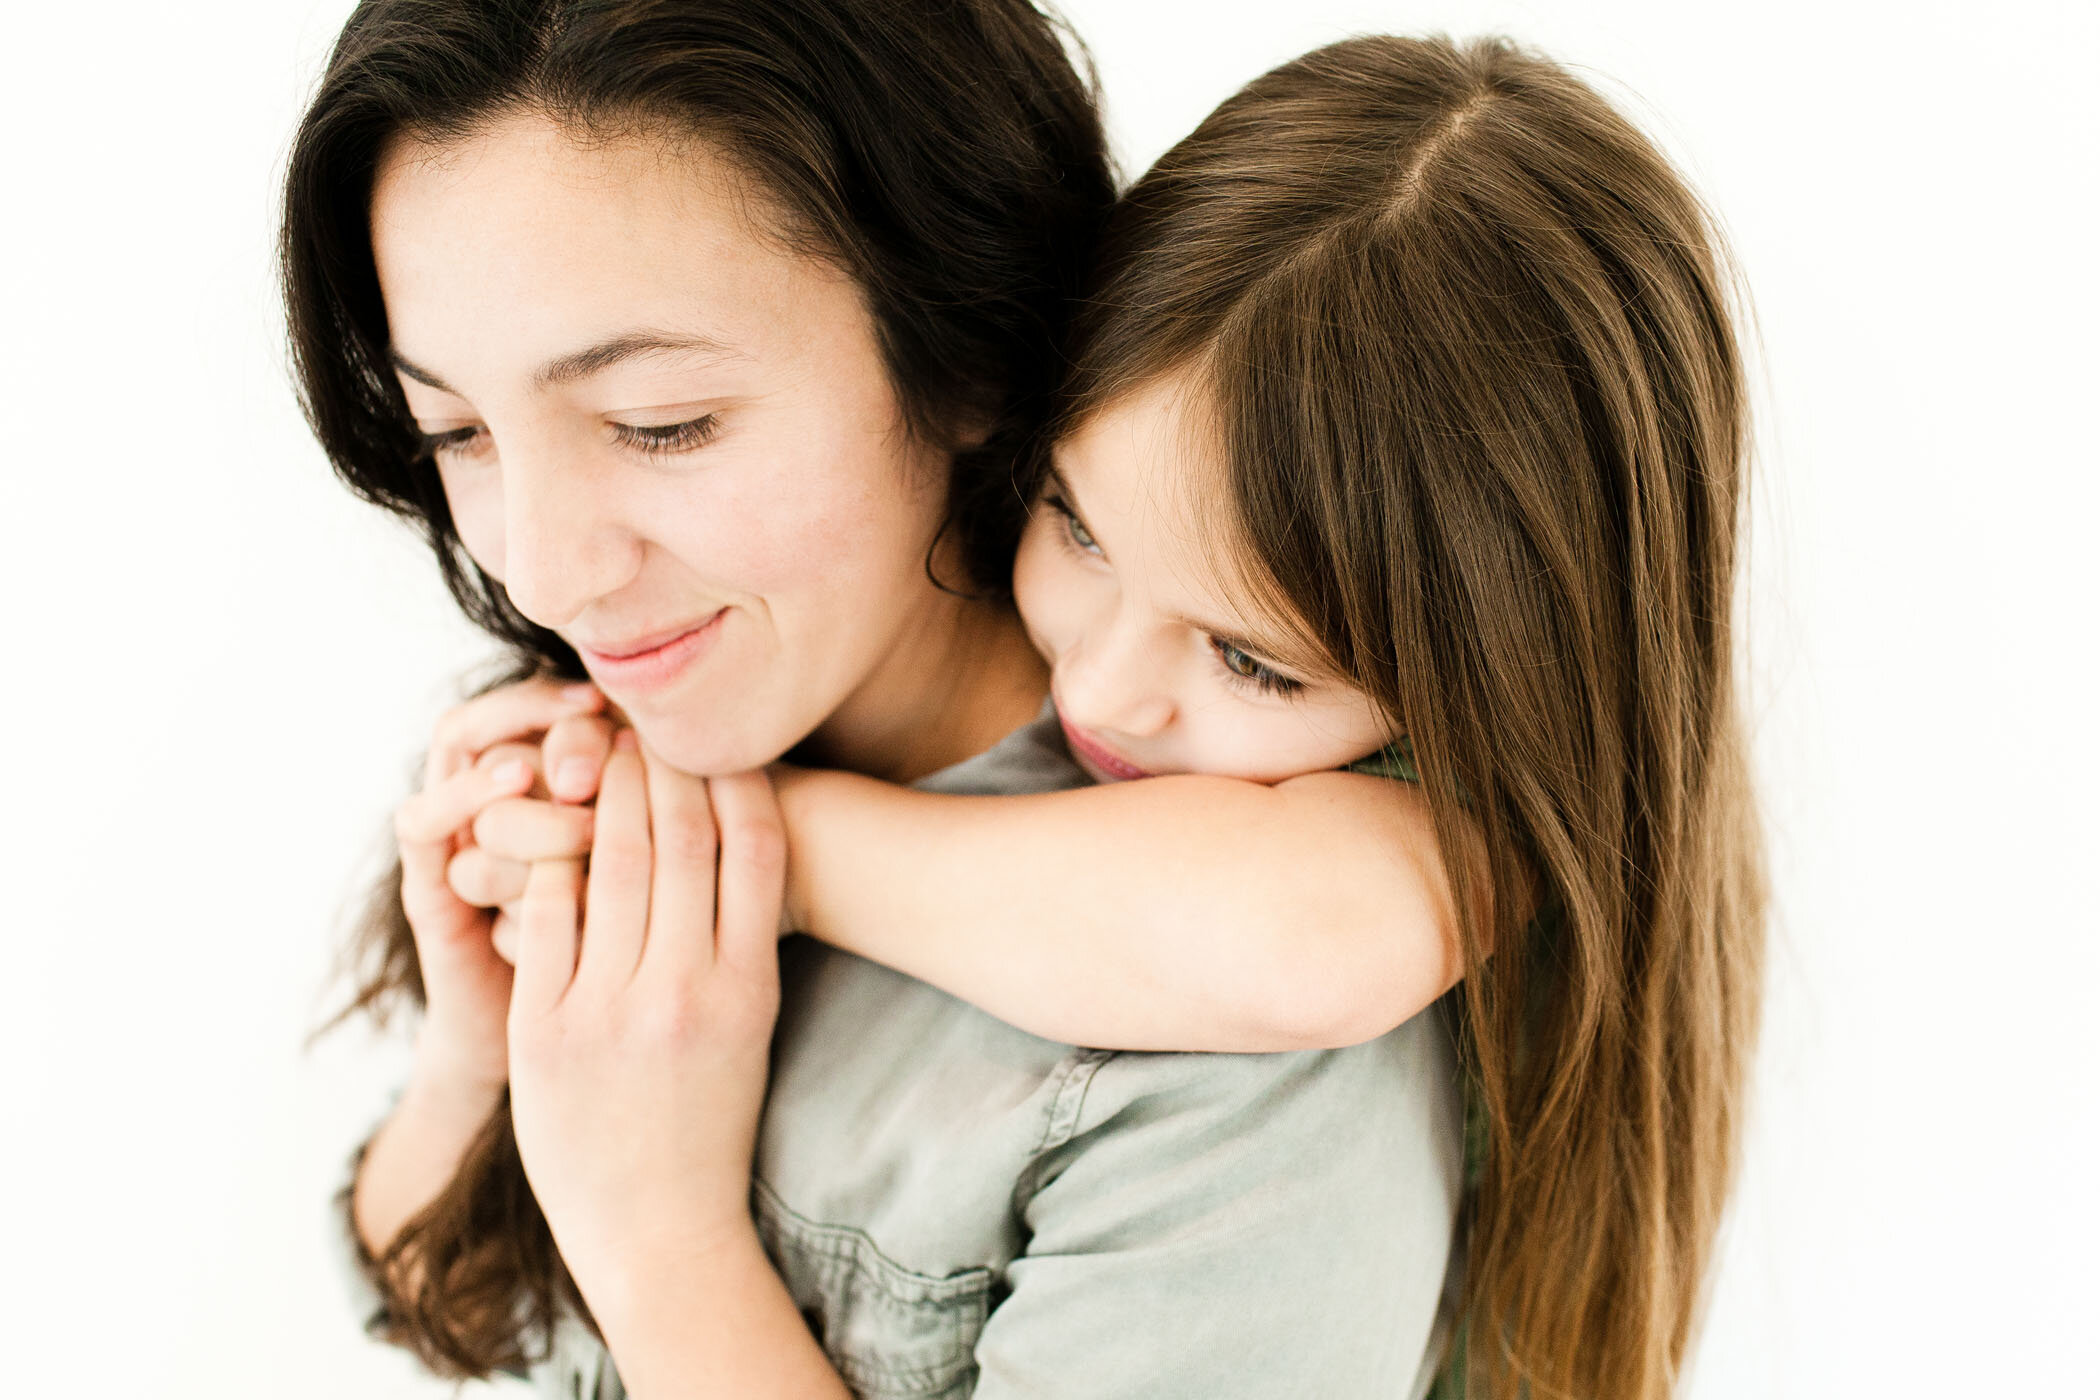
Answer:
[(962, 676)]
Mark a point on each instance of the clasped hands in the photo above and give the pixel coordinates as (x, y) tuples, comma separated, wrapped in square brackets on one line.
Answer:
[(640, 907)]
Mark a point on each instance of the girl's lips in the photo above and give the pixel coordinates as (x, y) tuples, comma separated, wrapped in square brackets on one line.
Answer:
[(1104, 763), (657, 667)]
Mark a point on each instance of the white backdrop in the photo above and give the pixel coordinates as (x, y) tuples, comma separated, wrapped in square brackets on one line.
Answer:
[(221, 669)]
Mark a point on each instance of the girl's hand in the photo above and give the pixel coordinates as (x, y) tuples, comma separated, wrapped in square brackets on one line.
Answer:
[(638, 1048), (466, 987)]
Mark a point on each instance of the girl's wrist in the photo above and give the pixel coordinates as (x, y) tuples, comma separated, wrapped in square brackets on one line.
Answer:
[(797, 791)]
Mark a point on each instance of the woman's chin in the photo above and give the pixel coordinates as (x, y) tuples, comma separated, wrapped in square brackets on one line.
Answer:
[(703, 750)]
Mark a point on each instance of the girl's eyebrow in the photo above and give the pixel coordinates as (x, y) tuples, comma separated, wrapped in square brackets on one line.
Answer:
[(582, 364)]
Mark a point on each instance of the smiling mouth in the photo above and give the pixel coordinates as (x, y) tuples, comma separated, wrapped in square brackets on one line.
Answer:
[(647, 663), (642, 646), (1107, 763)]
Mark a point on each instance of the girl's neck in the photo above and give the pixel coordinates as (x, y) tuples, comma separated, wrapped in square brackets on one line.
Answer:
[(961, 677)]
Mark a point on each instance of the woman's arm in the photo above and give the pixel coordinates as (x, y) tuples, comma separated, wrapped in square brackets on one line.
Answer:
[(1173, 913)]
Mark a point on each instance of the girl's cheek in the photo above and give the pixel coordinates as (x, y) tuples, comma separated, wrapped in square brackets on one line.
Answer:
[(1044, 600)]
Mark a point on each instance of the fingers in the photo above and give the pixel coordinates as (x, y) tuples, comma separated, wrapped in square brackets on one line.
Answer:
[(753, 872), (496, 755), (682, 892), (619, 893), (574, 756), (524, 829), (503, 931), (546, 939), (505, 713), (424, 826), (485, 880)]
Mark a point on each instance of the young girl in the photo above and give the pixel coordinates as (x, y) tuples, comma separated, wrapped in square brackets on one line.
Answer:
[(1406, 432)]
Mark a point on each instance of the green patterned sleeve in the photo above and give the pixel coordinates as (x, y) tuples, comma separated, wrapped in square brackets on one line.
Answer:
[(1395, 760)]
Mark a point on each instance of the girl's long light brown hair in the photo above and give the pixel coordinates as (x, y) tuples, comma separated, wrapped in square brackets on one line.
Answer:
[(1467, 338)]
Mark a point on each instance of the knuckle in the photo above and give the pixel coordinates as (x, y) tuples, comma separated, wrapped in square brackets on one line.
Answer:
[(494, 823), (688, 838), (757, 842), (674, 1020)]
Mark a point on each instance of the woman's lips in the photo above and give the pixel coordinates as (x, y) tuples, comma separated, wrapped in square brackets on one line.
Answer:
[(1102, 762), (654, 665)]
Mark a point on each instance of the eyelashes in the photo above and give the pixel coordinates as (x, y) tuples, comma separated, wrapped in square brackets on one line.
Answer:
[(1242, 669), (653, 440), (669, 438), (453, 443), (1246, 670), (1077, 536)]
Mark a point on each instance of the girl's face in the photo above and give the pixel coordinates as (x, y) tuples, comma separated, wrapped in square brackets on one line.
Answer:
[(671, 439), (1155, 667)]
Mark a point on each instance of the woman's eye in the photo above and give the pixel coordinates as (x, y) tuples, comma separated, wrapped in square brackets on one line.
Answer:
[(1245, 668), (667, 438), (1076, 531), (456, 442)]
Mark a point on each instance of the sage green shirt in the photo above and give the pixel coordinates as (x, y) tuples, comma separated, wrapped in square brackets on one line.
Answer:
[(963, 1209)]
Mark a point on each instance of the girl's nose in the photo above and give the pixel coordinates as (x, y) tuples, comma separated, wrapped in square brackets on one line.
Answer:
[(1115, 680), (563, 544)]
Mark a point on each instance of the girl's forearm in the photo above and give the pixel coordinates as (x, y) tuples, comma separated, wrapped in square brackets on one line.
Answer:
[(1185, 913)]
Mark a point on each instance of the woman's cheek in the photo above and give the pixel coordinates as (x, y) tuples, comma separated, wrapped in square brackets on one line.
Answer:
[(476, 505)]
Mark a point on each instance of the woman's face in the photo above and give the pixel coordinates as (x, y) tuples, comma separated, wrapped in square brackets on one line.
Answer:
[(1156, 664), (673, 440)]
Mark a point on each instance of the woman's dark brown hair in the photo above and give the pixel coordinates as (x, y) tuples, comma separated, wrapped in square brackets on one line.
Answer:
[(944, 153), (1467, 340)]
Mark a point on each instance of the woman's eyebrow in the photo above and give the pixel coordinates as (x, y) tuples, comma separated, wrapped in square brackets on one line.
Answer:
[(582, 364)]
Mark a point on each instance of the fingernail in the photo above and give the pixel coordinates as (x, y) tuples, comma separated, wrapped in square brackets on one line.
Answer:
[(626, 742), (510, 774), (574, 776), (581, 693)]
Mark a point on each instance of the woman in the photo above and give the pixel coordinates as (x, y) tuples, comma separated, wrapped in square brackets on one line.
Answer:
[(829, 243)]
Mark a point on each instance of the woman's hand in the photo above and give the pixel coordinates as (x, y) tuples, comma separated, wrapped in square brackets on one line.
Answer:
[(466, 986), (513, 832), (639, 1041)]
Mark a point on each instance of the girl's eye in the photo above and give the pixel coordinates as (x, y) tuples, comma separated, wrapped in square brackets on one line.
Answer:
[(1245, 670), (1076, 532), (668, 438)]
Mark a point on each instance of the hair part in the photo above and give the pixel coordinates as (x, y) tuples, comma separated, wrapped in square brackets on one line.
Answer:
[(944, 153), (1468, 341)]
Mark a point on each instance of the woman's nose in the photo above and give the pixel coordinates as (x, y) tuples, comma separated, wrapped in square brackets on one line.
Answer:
[(1115, 680), (563, 543)]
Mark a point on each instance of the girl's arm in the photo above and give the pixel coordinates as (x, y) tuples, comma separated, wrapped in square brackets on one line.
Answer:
[(1173, 913)]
